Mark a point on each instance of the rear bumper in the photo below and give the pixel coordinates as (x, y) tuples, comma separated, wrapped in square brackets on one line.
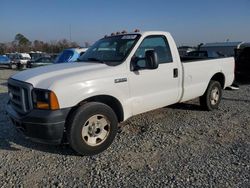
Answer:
[(5, 64), (44, 126)]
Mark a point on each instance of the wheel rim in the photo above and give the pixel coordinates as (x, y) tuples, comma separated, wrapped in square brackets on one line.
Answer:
[(96, 130), (215, 96)]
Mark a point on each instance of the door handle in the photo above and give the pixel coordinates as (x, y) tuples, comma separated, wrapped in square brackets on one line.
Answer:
[(175, 73)]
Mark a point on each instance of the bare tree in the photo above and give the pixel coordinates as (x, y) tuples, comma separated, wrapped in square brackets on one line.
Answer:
[(23, 44)]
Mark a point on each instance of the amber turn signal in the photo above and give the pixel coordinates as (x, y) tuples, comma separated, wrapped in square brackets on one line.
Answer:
[(42, 105), (54, 105)]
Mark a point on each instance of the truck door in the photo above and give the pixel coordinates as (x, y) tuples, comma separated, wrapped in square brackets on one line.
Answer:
[(151, 89)]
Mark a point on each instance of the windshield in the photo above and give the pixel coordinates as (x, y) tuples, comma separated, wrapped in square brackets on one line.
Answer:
[(111, 49), (65, 56), (4, 58)]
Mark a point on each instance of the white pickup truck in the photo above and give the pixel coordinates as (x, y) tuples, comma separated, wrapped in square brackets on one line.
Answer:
[(118, 77)]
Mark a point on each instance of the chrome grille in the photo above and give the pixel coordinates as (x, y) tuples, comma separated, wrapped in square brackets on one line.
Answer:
[(20, 95)]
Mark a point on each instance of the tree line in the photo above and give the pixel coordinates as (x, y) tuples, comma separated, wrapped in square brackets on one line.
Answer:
[(23, 44)]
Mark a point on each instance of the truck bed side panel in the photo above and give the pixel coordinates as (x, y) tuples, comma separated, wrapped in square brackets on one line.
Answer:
[(198, 74)]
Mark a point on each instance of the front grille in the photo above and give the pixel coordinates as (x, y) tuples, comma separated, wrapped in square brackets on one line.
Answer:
[(20, 95)]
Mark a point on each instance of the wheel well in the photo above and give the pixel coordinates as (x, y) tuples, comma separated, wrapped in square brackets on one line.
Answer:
[(220, 78), (112, 102)]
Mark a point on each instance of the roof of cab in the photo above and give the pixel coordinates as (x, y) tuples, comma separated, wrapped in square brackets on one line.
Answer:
[(143, 33)]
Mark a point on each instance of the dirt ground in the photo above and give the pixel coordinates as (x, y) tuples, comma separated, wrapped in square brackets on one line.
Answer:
[(176, 146)]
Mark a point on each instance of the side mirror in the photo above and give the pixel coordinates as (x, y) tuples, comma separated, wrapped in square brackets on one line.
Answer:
[(134, 63), (151, 59)]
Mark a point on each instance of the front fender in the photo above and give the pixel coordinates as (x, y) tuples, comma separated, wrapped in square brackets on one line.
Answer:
[(75, 93)]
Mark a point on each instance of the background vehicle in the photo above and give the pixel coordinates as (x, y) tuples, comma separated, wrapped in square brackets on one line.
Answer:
[(53, 56), (226, 48), (36, 55), (5, 61), (202, 54), (12, 57), (70, 55), (122, 75), (242, 65), (18, 60), (42, 61), (183, 50)]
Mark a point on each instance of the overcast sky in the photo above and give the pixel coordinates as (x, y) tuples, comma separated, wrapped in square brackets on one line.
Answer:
[(190, 22)]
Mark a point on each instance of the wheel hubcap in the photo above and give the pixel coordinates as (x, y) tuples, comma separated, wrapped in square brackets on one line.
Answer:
[(96, 130), (215, 95)]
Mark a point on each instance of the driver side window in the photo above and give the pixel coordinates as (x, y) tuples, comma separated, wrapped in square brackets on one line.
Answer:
[(157, 43)]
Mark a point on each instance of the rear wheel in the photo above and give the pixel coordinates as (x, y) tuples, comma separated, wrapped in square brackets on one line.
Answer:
[(19, 66), (212, 97), (92, 128)]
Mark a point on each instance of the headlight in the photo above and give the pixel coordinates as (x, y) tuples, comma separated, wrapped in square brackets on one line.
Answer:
[(44, 99)]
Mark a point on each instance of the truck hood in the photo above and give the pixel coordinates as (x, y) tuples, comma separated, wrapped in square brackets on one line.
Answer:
[(47, 76)]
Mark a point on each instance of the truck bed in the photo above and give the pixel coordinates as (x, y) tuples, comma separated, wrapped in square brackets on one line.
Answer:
[(198, 73)]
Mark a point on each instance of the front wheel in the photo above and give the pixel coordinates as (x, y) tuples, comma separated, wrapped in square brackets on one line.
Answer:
[(212, 97), (92, 128)]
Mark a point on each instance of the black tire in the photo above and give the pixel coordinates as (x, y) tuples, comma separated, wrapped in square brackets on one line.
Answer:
[(19, 66), (207, 101), (80, 120)]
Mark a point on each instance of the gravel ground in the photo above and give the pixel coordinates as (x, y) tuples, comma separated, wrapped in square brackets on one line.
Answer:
[(176, 146)]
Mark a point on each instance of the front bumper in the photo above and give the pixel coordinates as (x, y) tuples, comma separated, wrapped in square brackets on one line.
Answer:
[(44, 126)]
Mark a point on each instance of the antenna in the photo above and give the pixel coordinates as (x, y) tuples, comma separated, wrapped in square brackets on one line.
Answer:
[(70, 32)]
